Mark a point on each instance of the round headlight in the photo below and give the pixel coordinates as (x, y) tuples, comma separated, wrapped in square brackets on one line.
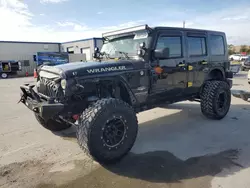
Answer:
[(63, 83)]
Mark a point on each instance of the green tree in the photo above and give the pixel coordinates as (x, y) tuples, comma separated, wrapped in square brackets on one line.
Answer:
[(248, 50), (231, 49), (243, 48)]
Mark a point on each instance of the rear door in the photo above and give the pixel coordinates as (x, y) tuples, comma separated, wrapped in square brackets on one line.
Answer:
[(197, 61)]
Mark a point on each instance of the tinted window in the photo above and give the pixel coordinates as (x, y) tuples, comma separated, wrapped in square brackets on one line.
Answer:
[(173, 43), (197, 46), (217, 45)]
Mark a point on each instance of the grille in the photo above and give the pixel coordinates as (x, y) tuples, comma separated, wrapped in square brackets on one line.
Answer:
[(49, 88)]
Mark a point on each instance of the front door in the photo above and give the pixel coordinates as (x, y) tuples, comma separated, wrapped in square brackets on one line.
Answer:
[(170, 73), (197, 60)]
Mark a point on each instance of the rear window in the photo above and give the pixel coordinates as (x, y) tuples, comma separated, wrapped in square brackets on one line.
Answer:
[(217, 45)]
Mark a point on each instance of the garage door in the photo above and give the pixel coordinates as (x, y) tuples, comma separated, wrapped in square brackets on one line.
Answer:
[(86, 51)]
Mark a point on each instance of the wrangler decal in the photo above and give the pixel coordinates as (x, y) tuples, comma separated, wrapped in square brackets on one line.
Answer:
[(107, 69)]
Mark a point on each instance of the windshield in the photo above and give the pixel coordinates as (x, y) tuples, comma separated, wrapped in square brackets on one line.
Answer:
[(123, 45)]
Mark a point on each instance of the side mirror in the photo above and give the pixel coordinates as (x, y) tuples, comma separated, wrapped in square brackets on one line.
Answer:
[(161, 53)]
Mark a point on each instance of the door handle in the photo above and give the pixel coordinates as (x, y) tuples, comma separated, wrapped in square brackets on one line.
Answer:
[(181, 64), (203, 62)]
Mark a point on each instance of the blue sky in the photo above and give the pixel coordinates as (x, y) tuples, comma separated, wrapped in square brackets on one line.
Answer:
[(64, 20)]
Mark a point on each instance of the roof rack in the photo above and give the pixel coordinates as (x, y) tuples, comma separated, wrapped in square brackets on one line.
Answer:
[(126, 30)]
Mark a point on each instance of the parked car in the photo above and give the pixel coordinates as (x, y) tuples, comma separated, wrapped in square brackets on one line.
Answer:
[(238, 57), (235, 57), (245, 65)]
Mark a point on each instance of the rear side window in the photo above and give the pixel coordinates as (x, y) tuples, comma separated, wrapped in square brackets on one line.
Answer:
[(197, 46), (217, 45), (173, 43)]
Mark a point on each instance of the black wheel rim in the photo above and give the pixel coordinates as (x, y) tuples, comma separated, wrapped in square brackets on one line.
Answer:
[(221, 101), (114, 132)]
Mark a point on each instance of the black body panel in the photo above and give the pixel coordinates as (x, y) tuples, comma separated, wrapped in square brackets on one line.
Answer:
[(80, 69)]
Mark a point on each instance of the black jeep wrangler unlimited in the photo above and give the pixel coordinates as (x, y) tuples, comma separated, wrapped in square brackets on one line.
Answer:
[(136, 69)]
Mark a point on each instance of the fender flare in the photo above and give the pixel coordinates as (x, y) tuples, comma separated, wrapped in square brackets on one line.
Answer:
[(125, 84), (210, 73), (213, 71), (118, 81)]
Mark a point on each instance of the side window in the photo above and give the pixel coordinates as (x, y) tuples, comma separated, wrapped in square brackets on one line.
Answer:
[(197, 46), (217, 45), (173, 43)]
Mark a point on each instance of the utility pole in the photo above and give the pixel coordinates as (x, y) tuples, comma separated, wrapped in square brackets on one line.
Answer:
[(184, 23)]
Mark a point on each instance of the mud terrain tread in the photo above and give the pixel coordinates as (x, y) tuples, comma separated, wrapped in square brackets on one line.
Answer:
[(52, 125), (207, 98), (86, 124)]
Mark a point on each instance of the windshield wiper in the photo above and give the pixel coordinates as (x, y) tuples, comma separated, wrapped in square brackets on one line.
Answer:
[(124, 53)]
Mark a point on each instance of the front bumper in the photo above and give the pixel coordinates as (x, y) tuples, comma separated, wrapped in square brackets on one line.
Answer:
[(40, 104)]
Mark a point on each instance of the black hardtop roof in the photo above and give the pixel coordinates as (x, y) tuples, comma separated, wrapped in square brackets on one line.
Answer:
[(184, 29), (155, 28)]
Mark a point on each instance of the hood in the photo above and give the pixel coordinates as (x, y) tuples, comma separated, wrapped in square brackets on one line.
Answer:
[(78, 69)]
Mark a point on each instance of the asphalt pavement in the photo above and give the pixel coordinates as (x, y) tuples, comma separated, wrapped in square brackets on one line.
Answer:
[(176, 147)]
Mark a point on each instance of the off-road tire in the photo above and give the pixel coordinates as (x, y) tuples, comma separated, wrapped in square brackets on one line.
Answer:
[(52, 125), (91, 129), (209, 96)]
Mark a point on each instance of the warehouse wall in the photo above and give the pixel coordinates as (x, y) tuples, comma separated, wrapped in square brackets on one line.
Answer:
[(78, 45), (24, 51), (77, 57), (82, 46)]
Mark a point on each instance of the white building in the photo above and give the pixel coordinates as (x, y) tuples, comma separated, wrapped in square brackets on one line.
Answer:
[(85, 46), (25, 52)]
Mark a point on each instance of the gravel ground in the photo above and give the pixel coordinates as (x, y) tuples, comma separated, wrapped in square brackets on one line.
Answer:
[(176, 147)]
